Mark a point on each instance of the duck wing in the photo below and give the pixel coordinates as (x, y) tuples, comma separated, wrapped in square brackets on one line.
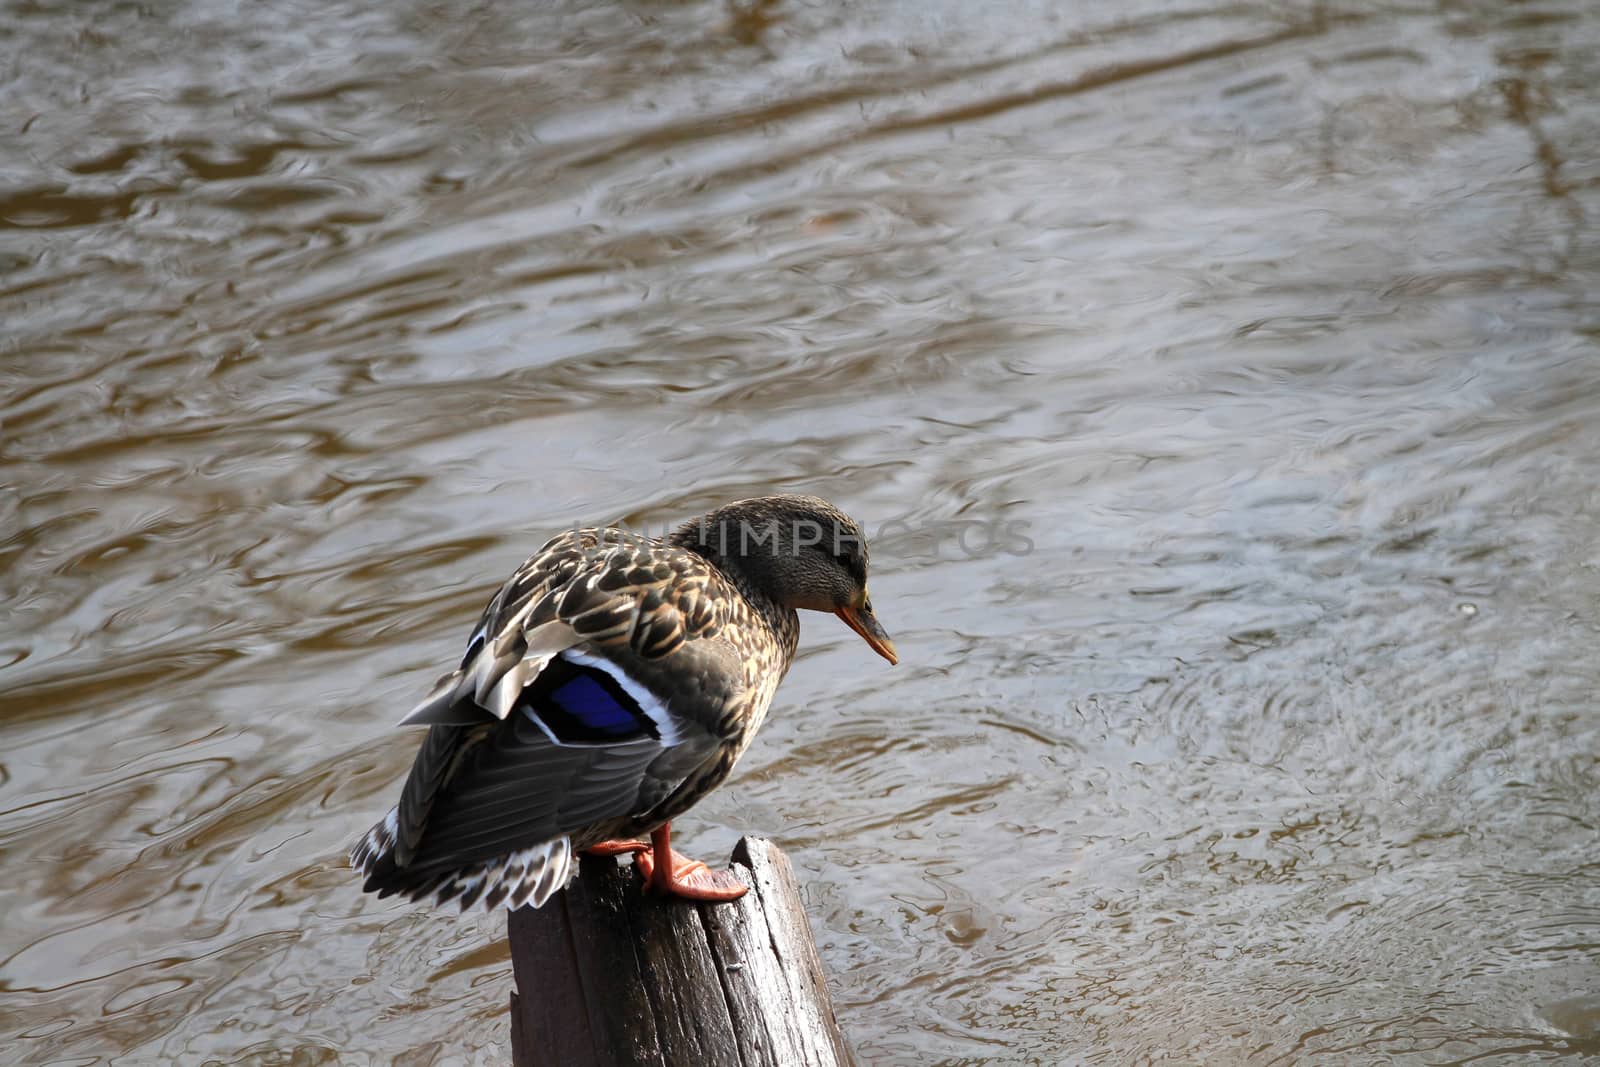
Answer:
[(560, 716), (621, 594)]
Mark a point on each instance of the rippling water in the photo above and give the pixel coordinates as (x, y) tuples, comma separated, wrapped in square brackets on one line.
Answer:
[(1276, 324)]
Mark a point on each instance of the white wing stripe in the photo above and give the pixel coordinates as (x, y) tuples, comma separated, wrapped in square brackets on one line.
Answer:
[(648, 702)]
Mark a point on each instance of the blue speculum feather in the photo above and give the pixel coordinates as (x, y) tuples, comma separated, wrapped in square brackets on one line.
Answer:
[(583, 704), (586, 700)]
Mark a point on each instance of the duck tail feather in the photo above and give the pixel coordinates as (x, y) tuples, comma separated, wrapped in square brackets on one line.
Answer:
[(528, 876), (376, 844)]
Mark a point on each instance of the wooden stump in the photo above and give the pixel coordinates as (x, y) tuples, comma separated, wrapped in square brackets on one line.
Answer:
[(608, 976)]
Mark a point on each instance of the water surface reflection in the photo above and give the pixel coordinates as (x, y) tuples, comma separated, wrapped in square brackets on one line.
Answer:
[(1275, 322)]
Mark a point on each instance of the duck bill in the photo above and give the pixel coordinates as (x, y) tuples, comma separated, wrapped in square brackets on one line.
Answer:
[(866, 624)]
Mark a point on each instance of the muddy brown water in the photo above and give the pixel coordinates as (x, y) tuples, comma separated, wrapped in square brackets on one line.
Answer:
[(1274, 737)]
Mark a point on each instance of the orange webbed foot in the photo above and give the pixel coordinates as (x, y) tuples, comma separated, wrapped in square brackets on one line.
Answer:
[(689, 879), (674, 874)]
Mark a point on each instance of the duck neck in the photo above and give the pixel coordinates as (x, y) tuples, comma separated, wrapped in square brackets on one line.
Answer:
[(755, 583)]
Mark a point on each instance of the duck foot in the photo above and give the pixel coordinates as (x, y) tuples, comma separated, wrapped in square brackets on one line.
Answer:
[(617, 848), (676, 875)]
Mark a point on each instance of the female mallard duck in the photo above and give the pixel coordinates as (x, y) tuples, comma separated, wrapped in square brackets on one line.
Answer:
[(612, 683)]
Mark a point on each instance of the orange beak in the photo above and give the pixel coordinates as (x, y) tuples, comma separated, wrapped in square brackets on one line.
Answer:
[(865, 623)]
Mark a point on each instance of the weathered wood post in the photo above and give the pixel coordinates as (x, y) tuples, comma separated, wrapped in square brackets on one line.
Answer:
[(608, 976)]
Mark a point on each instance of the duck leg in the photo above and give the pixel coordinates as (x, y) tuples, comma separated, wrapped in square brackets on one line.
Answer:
[(616, 848), (677, 875)]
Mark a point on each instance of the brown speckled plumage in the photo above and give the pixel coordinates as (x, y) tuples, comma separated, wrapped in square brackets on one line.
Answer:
[(526, 763)]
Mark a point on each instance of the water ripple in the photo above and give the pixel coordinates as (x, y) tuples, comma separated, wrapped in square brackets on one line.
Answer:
[(1273, 326)]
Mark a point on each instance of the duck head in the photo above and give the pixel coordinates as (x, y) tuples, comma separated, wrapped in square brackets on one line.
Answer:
[(799, 551)]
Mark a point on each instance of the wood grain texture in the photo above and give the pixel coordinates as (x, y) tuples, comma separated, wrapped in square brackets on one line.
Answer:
[(608, 976), (558, 1015)]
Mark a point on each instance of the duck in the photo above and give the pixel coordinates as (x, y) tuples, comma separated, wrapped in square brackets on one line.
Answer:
[(610, 684)]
